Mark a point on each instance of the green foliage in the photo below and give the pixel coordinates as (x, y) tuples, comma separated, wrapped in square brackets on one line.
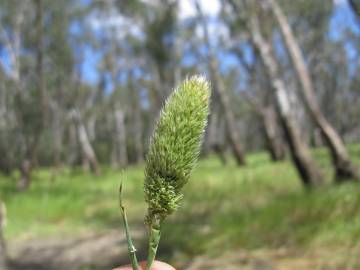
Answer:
[(261, 206), (175, 146)]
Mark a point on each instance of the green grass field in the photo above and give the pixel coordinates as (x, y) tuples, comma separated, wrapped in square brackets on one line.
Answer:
[(260, 206)]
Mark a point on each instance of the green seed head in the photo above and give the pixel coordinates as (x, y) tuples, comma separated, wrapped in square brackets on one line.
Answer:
[(175, 146)]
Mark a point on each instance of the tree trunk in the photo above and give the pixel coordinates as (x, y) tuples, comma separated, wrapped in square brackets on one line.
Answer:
[(232, 131), (137, 127), (57, 134), (120, 138), (344, 168), (25, 175), (72, 151), (213, 137), (300, 152), (33, 139), (224, 99), (40, 59), (273, 137), (28, 162), (3, 256), (90, 127), (120, 154), (89, 157)]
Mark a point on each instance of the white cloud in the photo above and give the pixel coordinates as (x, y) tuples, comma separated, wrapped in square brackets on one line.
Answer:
[(339, 2), (116, 22), (209, 7), (112, 20)]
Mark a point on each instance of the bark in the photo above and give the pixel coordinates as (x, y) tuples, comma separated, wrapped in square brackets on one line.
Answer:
[(344, 168), (232, 131), (270, 127), (224, 99), (57, 135), (273, 137), (119, 155), (40, 59), (28, 161), (137, 127), (120, 138), (213, 136), (3, 256), (89, 157), (33, 139), (25, 175), (91, 125), (72, 145), (309, 172)]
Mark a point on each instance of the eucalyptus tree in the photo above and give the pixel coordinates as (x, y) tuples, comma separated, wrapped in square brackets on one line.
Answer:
[(307, 169), (18, 21), (11, 34), (122, 40), (61, 80), (260, 99), (221, 91), (136, 120), (344, 167), (268, 117), (160, 30)]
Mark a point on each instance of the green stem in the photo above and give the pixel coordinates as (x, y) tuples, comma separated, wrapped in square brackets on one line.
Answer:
[(154, 239), (131, 247)]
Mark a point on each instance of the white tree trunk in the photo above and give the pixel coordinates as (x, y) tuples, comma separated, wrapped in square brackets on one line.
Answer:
[(89, 157), (120, 138), (344, 168), (309, 172), (223, 96)]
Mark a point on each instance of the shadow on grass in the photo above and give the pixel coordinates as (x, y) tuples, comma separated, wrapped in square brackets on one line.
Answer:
[(295, 219)]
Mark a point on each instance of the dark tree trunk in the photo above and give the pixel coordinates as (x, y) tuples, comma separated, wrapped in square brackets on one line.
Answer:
[(272, 134), (309, 172), (344, 168), (223, 96), (25, 175), (232, 130), (213, 136), (27, 163)]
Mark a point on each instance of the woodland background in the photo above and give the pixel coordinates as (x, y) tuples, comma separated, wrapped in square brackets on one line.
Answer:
[(81, 86)]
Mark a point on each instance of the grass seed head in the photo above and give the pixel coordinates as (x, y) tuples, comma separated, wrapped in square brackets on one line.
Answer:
[(175, 146)]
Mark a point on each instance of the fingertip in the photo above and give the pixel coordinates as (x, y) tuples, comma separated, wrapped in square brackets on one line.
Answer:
[(162, 266), (157, 265)]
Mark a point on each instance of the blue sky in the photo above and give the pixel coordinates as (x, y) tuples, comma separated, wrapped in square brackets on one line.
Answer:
[(342, 19)]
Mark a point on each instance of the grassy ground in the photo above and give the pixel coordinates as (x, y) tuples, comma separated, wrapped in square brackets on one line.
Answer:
[(226, 208)]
